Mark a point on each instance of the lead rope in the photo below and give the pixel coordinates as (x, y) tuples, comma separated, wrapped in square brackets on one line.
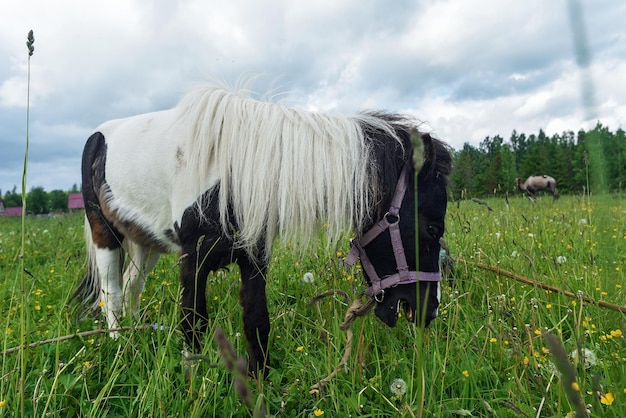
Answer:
[(356, 309)]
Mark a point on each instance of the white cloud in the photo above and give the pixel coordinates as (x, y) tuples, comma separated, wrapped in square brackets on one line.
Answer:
[(469, 69)]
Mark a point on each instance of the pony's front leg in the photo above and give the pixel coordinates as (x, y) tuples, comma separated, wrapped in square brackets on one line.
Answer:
[(142, 261), (195, 318), (109, 269), (256, 320)]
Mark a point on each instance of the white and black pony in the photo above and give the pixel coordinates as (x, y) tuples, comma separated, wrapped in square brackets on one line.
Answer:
[(222, 175), (535, 183)]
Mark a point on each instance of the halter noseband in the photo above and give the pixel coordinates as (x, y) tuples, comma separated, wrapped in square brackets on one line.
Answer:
[(391, 221)]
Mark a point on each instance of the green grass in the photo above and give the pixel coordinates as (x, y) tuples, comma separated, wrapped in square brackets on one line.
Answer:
[(484, 356)]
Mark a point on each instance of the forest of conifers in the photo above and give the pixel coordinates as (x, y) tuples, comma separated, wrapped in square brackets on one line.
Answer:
[(578, 161)]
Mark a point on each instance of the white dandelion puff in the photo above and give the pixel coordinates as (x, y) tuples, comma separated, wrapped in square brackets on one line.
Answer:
[(398, 387), (308, 277), (589, 357)]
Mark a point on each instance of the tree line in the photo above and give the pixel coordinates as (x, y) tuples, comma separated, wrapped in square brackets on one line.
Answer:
[(579, 161), (38, 201)]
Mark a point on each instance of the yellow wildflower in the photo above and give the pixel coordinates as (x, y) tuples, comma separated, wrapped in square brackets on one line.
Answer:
[(607, 399), (493, 340), (3, 403), (101, 303), (575, 386), (616, 333), (300, 348), (465, 373), (318, 412)]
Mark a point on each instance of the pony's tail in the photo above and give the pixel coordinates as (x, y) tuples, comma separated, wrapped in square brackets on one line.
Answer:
[(87, 294)]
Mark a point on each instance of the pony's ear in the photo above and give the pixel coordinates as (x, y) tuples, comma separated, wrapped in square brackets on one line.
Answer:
[(417, 140)]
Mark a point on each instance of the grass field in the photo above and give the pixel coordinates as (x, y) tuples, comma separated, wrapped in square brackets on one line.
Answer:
[(485, 356)]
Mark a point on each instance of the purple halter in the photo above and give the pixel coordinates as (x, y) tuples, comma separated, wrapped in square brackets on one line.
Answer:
[(390, 221)]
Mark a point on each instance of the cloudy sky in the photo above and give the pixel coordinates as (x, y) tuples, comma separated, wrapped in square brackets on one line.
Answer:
[(468, 69)]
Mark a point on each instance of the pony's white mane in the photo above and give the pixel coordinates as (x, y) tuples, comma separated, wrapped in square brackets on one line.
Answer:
[(284, 171)]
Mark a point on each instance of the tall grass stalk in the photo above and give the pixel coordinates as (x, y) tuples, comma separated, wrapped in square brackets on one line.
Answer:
[(29, 44)]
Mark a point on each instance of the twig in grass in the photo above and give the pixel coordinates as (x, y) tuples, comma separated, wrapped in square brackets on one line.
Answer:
[(513, 407), (531, 282), (82, 334), (543, 400), (482, 202), (356, 309)]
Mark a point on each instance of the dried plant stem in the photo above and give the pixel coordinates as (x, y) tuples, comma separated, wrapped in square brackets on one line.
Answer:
[(82, 334), (531, 282), (357, 308)]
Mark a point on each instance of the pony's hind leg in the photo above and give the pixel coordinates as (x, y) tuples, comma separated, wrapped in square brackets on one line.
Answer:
[(100, 287), (109, 264), (141, 262)]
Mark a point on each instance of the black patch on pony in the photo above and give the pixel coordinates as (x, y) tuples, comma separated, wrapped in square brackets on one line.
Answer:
[(206, 248), (419, 300)]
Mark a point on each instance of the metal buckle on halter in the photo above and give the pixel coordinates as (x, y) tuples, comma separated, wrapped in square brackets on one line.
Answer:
[(380, 297), (390, 215)]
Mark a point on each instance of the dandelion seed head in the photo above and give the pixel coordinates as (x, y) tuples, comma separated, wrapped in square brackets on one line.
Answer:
[(398, 387), (589, 357), (308, 277)]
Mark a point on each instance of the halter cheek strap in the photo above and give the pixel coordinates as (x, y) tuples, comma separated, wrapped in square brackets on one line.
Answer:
[(390, 221)]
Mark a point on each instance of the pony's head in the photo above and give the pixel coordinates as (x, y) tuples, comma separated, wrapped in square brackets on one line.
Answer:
[(419, 296)]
